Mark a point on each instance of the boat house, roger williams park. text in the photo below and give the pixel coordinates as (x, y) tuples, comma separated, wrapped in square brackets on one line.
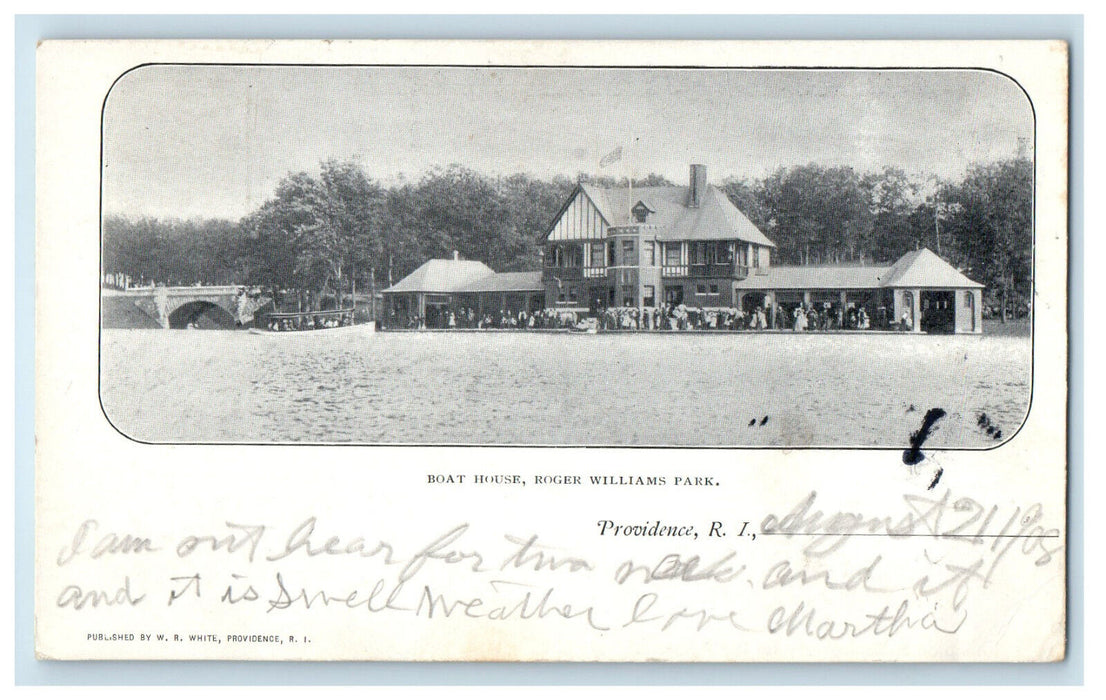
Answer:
[(689, 248)]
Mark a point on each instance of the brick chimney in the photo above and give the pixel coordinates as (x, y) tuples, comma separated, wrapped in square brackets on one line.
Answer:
[(697, 187)]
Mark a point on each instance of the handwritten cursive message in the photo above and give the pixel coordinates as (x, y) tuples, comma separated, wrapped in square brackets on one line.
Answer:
[(807, 571)]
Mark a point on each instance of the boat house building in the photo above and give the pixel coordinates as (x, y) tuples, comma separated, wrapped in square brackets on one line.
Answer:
[(648, 247), (670, 246)]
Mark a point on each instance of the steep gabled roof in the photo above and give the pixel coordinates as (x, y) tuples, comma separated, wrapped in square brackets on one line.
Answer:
[(809, 277), (441, 276), (715, 218), (918, 268), (506, 282), (923, 268)]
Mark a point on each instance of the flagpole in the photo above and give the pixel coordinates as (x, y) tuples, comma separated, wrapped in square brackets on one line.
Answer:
[(629, 180), (630, 166)]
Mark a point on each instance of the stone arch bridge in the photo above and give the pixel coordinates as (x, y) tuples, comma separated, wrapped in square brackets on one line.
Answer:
[(183, 307)]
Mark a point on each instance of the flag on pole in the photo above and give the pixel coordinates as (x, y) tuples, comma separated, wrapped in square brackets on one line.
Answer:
[(612, 157)]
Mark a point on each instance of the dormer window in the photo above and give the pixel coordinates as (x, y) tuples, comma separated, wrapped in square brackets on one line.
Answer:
[(641, 212)]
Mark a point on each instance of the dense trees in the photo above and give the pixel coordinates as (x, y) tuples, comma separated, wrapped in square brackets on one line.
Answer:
[(208, 251), (817, 215), (338, 231), (318, 233), (982, 223), (990, 221)]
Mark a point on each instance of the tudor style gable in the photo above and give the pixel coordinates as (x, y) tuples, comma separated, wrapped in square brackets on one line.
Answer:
[(579, 219)]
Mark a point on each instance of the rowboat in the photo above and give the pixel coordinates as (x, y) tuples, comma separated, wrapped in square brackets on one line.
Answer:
[(356, 329), (301, 323)]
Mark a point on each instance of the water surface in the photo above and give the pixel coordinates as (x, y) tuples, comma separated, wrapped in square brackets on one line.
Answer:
[(559, 389)]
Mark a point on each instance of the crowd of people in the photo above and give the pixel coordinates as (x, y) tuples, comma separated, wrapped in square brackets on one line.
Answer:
[(810, 318), (802, 317), (469, 318), (308, 321)]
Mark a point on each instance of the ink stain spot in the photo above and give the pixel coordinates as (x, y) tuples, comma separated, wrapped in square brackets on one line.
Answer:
[(936, 478), (988, 426), (911, 409), (764, 420), (913, 454), (752, 422)]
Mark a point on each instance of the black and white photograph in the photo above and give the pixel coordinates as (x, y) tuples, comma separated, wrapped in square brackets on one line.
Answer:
[(567, 256)]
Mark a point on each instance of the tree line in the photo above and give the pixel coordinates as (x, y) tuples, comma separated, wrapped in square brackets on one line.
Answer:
[(340, 231)]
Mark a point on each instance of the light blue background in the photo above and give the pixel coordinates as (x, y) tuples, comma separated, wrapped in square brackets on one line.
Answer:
[(31, 29)]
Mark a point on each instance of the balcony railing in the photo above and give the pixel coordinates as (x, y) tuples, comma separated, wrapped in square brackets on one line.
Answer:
[(572, 274), (565, 273), (706, 270), (711, 270)]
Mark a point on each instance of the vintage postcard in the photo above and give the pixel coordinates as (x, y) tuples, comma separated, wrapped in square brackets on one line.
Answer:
[(551, 351)]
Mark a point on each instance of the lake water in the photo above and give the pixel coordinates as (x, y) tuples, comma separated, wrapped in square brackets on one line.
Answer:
[(559, 389)]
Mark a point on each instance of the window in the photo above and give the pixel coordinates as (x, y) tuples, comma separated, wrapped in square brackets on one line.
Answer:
[(640, 213), (598, 253), (552, 256), (756, 256), (650, 296), (671, 253), (714, 289), (708, 252), (573, 256), (628, 256), (701, 289), (572, 294), (648, 254)]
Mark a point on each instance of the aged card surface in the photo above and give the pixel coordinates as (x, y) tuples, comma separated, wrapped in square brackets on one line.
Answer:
[(588, 351)]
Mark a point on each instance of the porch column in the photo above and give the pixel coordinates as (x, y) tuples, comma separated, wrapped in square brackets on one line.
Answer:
[(977, 310), (917, 311)]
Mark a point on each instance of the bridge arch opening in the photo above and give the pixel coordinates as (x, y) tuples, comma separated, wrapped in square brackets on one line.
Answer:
[(201, 314)]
